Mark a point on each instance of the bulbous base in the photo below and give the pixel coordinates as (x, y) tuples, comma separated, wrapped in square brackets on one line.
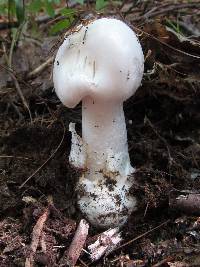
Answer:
[(107, 203)]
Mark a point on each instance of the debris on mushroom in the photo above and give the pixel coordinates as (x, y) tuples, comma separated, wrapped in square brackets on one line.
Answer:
[(101, 64)]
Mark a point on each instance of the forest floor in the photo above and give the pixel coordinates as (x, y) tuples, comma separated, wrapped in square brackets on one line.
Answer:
[(163, 123)]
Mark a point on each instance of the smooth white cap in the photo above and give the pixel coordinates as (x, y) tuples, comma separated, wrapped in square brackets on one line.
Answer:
[(103, 60)]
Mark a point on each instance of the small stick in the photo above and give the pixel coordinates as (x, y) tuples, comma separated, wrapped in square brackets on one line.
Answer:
[(21, 94), (40, 68), (186, 202), (77, 244), (36, 234), (51, 156), (162, 262), (6, 156), (165, 44), (82, 262), (142, 235), (167, 9), (17, 86)]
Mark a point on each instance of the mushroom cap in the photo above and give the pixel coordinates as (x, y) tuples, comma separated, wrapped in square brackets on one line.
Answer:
[(103, 60)]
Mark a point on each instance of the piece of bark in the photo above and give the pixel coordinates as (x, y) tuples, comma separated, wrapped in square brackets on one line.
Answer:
[(72, 254), (104, 244), (187, 202)]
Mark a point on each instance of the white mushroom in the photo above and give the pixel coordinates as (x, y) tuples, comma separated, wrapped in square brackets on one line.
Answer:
[(101, 64)]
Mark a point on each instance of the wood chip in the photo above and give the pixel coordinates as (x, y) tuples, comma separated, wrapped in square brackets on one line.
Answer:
[(105, 243)]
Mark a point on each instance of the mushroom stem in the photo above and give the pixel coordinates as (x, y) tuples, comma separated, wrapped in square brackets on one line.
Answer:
[(103, 189), (104, 133)]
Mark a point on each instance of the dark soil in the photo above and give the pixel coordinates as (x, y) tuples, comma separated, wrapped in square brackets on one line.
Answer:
[(163, 123)]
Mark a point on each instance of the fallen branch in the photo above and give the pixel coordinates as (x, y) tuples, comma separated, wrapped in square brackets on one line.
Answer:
[(187, 202)]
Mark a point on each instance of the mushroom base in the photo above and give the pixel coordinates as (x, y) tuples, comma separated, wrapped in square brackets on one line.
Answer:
[(105, 204)]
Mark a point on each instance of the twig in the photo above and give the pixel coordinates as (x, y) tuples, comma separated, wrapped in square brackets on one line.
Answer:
[(153, 9), (190, 28), (16, 83), (173, 96), (8, 25), (142, 235), (162, 139), (162, 262), (51, 156), (6, 156), (15, 38), (36, 234), (40, 68), (145, 212), (168, 45), (39, 20), (21, 95), (76, 246), (167, 9), (82, 262), (170, 8)]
